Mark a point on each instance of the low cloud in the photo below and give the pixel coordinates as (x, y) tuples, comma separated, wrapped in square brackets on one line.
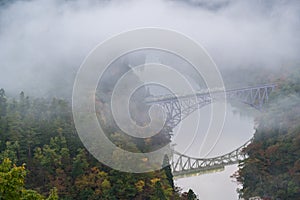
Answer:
[(43, 43)]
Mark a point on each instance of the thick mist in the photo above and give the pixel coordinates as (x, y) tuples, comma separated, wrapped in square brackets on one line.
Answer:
[(43, 43)]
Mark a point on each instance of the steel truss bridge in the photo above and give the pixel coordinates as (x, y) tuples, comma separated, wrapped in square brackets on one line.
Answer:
[(178, 108), (183, 165)]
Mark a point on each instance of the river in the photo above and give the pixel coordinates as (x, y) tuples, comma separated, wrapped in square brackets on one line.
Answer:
[(237, 130)]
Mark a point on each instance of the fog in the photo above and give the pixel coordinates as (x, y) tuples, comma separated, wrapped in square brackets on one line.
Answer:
[(203, 143), (43, 43)]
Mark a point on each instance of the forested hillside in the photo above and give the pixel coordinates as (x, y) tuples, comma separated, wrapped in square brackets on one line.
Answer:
[(38, 135), (272, 170)]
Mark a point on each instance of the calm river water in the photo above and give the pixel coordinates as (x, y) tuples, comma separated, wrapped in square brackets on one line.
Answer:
[(236, 131)]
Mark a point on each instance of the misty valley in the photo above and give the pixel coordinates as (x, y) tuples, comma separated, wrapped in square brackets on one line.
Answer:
[(201, 102)]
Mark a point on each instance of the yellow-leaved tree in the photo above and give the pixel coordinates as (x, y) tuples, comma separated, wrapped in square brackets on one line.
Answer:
[(12, 186)]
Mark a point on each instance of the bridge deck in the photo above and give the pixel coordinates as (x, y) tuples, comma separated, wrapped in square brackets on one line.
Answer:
[(178, 108)]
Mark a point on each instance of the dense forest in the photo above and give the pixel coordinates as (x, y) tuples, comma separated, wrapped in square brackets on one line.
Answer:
[(42, 156), (272, 170), (40, 151), (43, 44)]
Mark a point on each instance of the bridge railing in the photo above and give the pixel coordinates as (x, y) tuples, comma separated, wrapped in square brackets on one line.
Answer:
[(179, 107), (183, 164), (171, 97)]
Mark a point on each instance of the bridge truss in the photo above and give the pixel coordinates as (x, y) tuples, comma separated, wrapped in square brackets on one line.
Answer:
[(183, 165), (178, 108)]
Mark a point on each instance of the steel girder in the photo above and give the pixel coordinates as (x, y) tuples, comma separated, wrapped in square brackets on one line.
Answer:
[(183, 165), (178, 108)]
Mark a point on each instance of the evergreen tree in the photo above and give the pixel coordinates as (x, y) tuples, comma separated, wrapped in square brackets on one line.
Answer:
[(191, 195), (168, 171), (3, 103), (159, 192)]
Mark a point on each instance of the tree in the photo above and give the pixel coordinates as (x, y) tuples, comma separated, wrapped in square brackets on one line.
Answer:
[(167, 169), (11, 180), (56, 162), (40, 132), (271, 170), (3, 103), (93, 185), (12, 183), (159, 192), (191, 195), (10, 151), (80, 164), (53, 194)]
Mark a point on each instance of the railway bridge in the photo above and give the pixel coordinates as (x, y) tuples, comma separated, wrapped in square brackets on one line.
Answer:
[(178, 108)]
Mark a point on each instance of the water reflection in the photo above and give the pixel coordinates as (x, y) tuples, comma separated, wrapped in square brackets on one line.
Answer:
[(237, 130)]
